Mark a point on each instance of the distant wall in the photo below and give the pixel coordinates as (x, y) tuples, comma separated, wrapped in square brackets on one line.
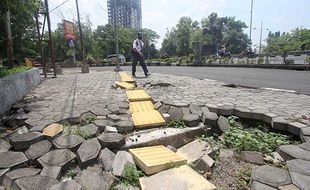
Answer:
[(14, 87)]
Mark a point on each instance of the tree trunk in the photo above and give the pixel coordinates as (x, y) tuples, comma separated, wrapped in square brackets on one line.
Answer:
[(9, 46)]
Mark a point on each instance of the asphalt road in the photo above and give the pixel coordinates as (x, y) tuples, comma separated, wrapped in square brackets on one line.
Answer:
[(298, 81)]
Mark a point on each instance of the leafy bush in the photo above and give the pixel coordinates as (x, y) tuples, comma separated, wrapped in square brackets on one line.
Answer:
[(289, 61), (132, 175), (6, 72), (307, 59), (254, 140)]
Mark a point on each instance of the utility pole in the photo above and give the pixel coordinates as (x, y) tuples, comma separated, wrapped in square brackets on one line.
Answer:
[(117, 69), (50, 41), (40, 43), (9, 43), (251, 20), (80, 30), (260, 38)]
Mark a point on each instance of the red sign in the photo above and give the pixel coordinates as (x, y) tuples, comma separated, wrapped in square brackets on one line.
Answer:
[(69, 30)]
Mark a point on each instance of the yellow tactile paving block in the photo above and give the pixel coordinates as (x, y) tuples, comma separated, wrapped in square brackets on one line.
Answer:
[(137, 95), (141, 106), (183, 177), (125, 85), (156, 158), (53, 130), (125, 77), (147, 119)]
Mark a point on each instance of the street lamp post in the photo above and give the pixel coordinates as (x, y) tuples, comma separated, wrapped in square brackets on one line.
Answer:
[(117, 69), (260, 37)]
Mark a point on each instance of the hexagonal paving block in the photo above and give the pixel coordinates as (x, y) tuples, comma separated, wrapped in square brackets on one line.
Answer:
[(11, 176), (38, 149), (34, 182), (57, 158), (12, 159), (271, 176), (111, 140), (68, 141), (23, 141), (88, 152), (4, 146)]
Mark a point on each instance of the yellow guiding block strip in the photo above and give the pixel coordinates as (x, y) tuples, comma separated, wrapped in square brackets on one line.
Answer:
[(126, 78), (156, 158), (137, 95), (125, 85), (147, 119), (141, 106), (183, 177)]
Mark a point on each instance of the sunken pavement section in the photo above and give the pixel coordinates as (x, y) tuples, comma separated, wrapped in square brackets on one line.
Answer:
[(78, 98)]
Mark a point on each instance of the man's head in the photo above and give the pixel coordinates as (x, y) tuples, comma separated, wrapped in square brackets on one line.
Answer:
[(140, 35)]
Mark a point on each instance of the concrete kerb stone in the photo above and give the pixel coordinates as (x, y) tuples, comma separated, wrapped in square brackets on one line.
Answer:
[(225, 110), (289, 152), (111, 140), (243, 112), (295, 128), (280, 123)]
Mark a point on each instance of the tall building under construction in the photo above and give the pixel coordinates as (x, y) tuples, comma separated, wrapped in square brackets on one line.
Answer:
[(126, 12)]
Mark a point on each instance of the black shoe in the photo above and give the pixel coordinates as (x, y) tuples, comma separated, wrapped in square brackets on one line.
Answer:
[(148, 74), (134, 76)]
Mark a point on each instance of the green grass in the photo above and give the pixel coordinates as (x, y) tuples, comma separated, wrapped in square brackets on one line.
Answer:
[(5, 72), (176, 124), (132, 175)]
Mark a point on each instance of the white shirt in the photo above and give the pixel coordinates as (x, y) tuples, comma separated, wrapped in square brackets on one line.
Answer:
[(138, 45)]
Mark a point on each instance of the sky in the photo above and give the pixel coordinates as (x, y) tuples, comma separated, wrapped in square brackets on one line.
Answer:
[(160, 15)]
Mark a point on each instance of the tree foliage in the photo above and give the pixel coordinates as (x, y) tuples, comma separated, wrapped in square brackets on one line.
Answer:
[(209, 33)]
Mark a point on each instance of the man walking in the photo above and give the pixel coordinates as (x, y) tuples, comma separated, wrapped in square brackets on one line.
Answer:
[(137, 48)]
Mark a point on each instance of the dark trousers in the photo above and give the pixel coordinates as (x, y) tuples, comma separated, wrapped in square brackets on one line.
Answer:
[(138, 58)]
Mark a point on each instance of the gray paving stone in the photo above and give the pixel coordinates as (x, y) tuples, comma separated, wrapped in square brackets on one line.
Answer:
[(113, 117), (102, 123), (111, 140), (2, 173), (88, 152), (93, 181), (305, 138), (210, 119), (71, 142), (36, 182), (164, 109), (260, 186), (157, 105), (226, 153), (175, 113), (12, 159), (252, 157), (109, 129), (68, 185), (195, 109), (243, 112), (305, 146), (53, 172), (191, 120), (268, 117), (106, 159), (289, 152), (38, 149), (23, 141), (271, 176), (194, 150), (122, 159), (185, 111), (91, 129), (299, 166), (223, 124), (295, 128), (212, 107), (226, 110), (113, 108), (305, 131), (125, 187), (204, 164), (4, 146), (288, 187), (300, 180), (167, 117), (124, 126), (280, 123), (11, 176), (57, 158)]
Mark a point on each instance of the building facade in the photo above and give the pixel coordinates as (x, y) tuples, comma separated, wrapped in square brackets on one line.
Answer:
[(126, 12)]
